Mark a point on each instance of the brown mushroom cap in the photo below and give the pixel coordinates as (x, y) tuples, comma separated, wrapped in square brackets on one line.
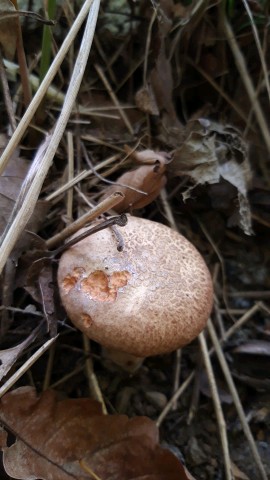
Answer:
[(153, 297)]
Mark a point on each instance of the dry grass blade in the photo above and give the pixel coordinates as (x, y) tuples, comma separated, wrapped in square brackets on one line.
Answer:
[(241, 321), (259, 47), (114, 99), (25, 367), (34, 189), (237, 401), (243, 71), (70, 174), (170, 218), (221, 92), (217, 405), (249, 314), (174, 399), (26, 119), (78, 178)]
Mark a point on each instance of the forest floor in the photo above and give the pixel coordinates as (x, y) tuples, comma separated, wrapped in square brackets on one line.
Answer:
[(187, 82)]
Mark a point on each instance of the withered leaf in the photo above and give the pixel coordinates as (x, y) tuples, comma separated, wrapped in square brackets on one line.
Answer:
[(250, 362), (11, 182), (8, 26), (35, 275), (159, 88), (149, 179), (149, 157), (56, 437), (254, 347), (9, 356), (145, 100), (212, 152), (8, 29), (3, 438)]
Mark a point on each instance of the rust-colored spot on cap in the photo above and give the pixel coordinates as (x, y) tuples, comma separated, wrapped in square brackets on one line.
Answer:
[(102, 287), (87, 320), (71, 279)]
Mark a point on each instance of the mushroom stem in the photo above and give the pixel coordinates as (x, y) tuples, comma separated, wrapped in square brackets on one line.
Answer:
[(128, 362)]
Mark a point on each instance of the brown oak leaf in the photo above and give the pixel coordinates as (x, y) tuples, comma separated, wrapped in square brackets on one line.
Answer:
[(67, 439)]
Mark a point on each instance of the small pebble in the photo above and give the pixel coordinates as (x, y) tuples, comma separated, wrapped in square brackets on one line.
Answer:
[(158, 399)]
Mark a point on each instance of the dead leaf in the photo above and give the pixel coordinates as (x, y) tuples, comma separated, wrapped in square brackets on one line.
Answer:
[(8, 29), (56, 437), (11, 182), (250, 362), (149, 157), (35, 275), (37, 278), (3, 438), (145, 100), (162, 85), (156, 95), (254, 347), (149, 178), (9, 356), (212, 152)]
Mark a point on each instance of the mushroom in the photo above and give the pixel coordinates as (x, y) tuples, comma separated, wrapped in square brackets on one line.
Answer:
[(149, 299)]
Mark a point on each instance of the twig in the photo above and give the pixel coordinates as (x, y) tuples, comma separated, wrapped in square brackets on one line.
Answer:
[(257, 294), (241, 321), (177, 373), (174, 399), (49, 368), (217, 406), (24, 74), (93, 385), (81, 176), (120, 220), (102, 207), (67, 377), (114, 99), (195, 396)]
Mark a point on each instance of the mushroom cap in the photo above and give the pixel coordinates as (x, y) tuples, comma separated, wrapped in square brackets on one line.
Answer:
[(152, 298)]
